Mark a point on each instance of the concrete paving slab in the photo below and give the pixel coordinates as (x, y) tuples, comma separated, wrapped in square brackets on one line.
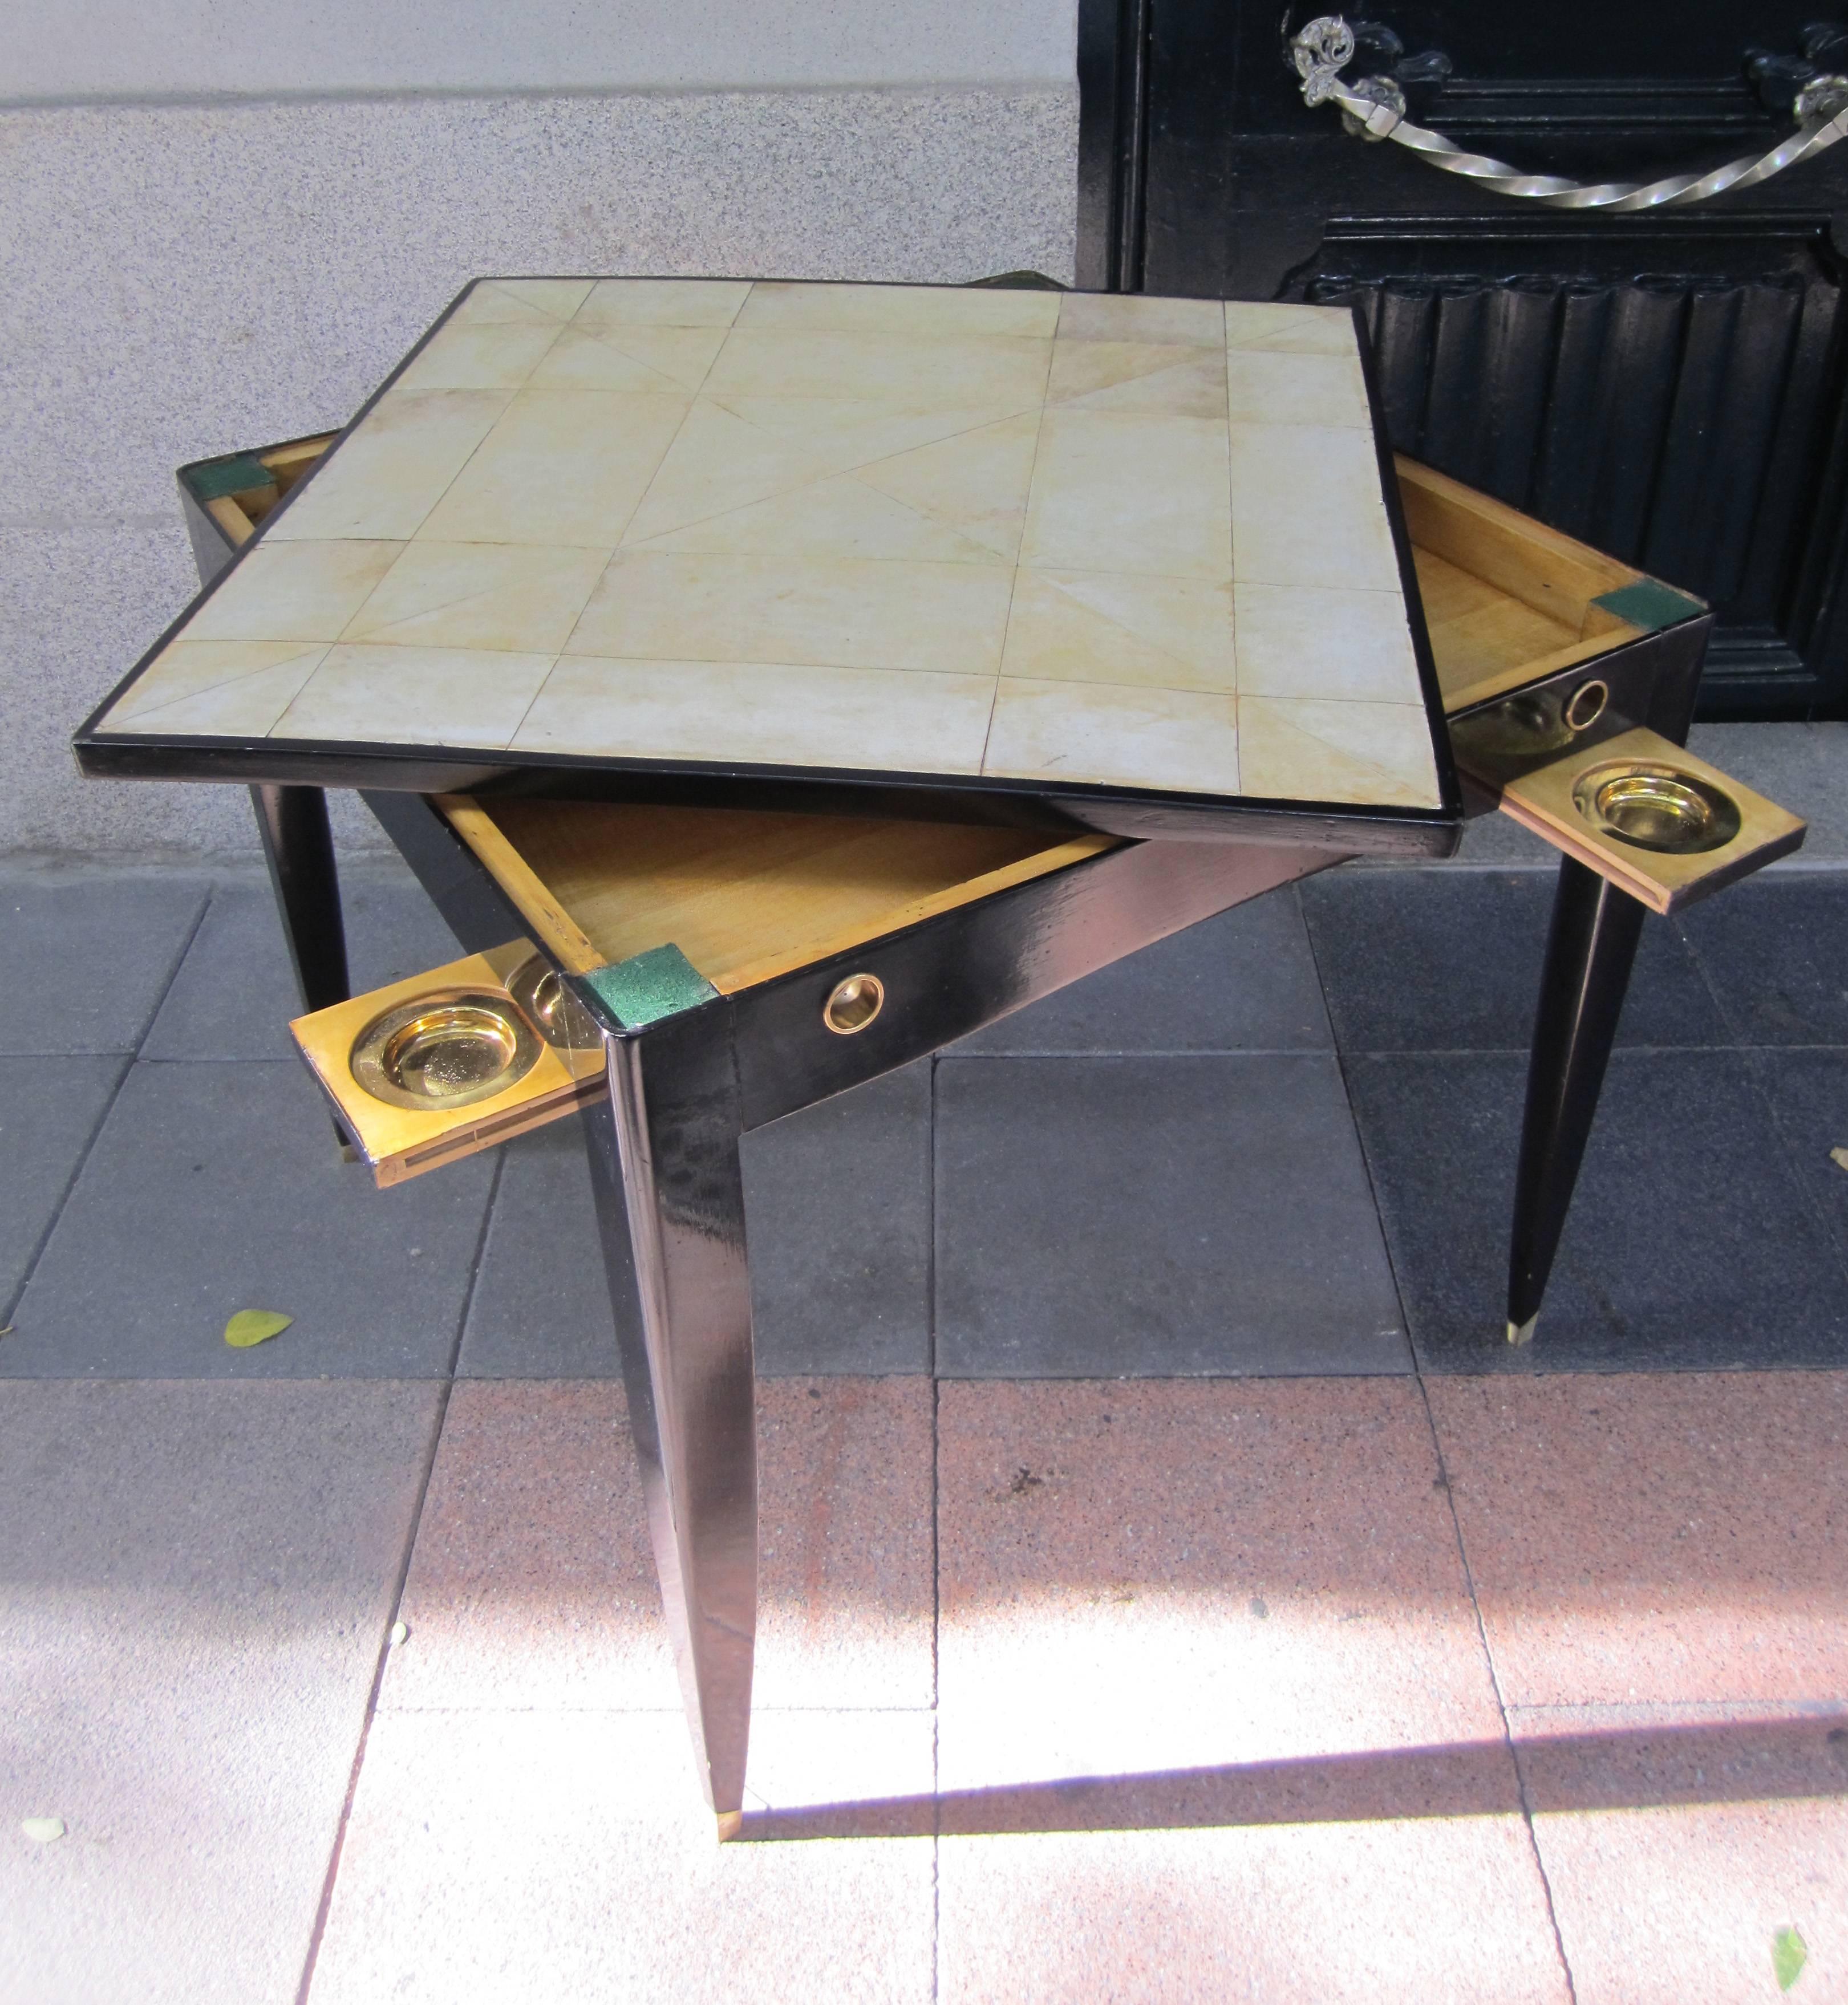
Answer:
[(1668, 1539), (492, 1856), (847, 1550), (235, 992), (1240, 1612), (1691, 1245), (1156, 1217), (533, 1585), (1776, 953), (1808, 1093), (86, 958), (1416, 960), (1679, 1845), (49, 1109), (1243, 981), (837, 1202), (197, 1583), (1445, 1912), (214, 1188), (1801, 767), (541, 1305), (1655, 1907), (1143, 1578)]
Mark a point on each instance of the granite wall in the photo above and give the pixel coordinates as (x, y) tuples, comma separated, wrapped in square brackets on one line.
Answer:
[(183, 278)]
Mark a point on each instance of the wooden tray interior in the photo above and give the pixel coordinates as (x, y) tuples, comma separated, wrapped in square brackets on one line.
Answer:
[(1506, 599), (238, 512), (746, 896)]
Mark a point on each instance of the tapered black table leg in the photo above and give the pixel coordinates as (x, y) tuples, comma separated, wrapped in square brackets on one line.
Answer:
[(1589, 950), (299, 848), (664, 1158)]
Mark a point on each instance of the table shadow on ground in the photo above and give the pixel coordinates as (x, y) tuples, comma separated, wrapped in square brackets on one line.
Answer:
[(1651, 1767)]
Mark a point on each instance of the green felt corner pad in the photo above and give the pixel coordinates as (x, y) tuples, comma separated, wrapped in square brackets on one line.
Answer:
[(647, 986), (1649, 605), (227, 476)]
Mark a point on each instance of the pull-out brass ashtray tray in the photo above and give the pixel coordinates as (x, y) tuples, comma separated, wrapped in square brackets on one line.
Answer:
[(445, 1050), (1655, 819), (458, 1057), (1656, 806)]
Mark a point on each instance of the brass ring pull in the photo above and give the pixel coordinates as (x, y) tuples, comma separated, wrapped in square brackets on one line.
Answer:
[(1585, 705), (854, 1004)]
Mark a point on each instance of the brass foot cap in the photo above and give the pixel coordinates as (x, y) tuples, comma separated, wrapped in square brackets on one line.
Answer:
[(730, 1823), (1523, 1332)]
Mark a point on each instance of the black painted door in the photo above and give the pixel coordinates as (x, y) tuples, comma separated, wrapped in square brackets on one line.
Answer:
[(1671, 386)]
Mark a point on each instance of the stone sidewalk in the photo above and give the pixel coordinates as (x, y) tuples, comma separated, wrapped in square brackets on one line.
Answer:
[(1354, 1688), (1172, 1590)]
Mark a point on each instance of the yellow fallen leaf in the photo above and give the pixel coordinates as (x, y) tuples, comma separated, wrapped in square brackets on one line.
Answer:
[(250, 1326), (1840, 1158)]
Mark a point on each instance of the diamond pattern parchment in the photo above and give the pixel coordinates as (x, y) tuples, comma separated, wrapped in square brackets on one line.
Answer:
[(1104, 539)]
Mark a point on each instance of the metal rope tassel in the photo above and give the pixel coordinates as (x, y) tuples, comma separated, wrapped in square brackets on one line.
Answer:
[(1375, 108)]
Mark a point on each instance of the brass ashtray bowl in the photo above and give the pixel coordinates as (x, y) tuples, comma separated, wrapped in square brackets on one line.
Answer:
[(551, 1008), (443, 1051), (1657, 807)]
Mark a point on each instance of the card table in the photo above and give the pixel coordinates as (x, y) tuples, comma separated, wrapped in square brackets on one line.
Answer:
[(773, 683)]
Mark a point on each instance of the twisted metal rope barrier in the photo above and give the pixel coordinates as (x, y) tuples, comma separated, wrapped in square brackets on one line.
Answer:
[(1375, 107)]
